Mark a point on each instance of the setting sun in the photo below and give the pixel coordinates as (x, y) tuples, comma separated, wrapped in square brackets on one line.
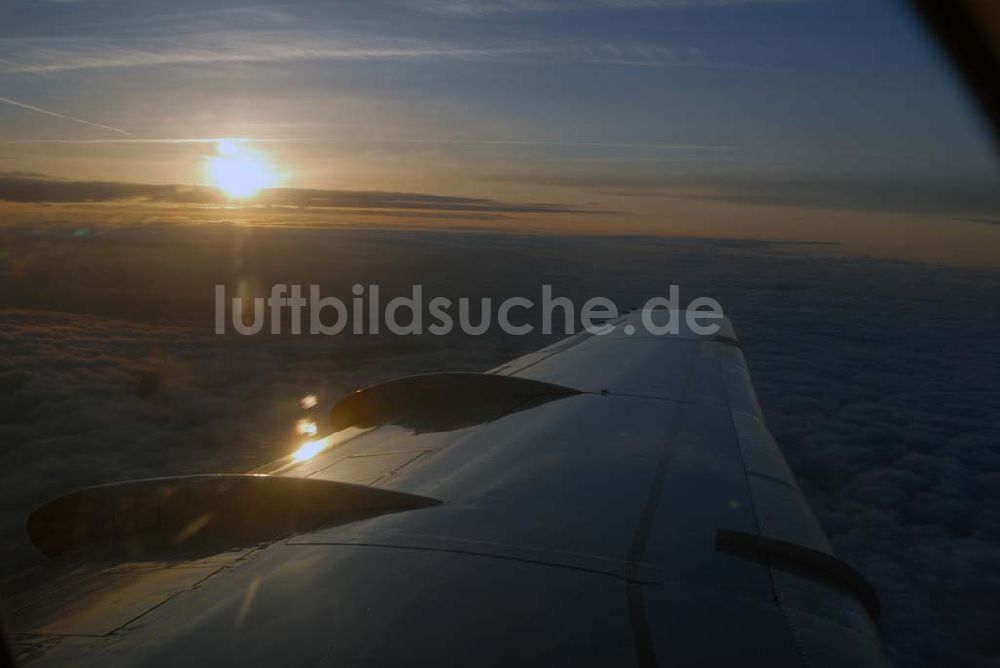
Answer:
[(237, 171)]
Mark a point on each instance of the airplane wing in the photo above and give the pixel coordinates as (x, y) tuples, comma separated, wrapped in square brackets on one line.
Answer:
[(612, 499)]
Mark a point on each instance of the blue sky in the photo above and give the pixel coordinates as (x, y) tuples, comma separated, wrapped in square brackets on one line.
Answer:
[(638, 106)]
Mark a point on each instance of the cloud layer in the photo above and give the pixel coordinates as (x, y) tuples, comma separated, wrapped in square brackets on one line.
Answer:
[(20, 187), (877, 377), (887, 193)]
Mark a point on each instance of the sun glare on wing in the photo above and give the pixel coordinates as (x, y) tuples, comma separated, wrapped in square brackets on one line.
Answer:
[(237, 171), (309, 450)]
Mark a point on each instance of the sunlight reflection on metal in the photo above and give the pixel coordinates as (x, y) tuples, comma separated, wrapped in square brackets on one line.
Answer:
[(251, 591), (194, 527), (309, 450)]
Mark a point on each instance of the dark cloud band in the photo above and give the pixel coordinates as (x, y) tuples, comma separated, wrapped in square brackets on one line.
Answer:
[(15, 187)]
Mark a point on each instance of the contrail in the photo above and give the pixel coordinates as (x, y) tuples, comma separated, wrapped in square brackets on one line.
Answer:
[(64, 116)]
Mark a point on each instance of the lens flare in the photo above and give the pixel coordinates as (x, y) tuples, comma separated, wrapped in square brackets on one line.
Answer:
[(305, 427)]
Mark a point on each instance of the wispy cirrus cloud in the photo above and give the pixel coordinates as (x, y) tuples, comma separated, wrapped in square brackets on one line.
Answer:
[(709, 149), (142, 140), (39, 55), (488, 7), (43, 55)]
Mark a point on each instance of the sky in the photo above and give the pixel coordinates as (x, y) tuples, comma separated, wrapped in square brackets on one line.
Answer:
[(634, 140), (830, 120)]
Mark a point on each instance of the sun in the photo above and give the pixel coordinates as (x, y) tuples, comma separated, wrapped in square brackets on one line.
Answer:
[(237, 171)]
